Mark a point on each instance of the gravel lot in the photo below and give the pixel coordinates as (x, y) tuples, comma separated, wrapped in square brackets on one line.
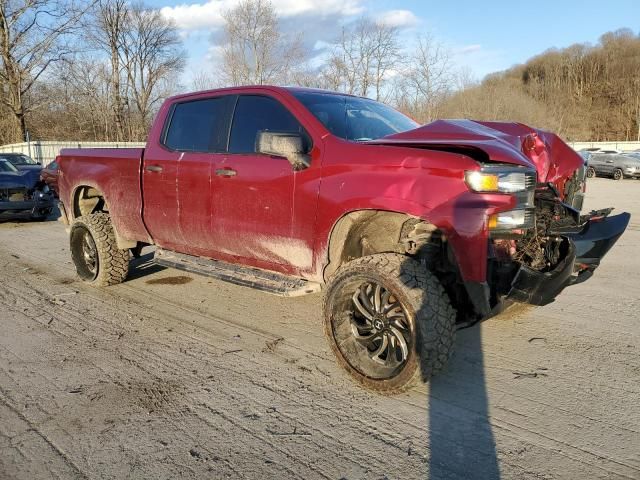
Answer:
[(170, 375)]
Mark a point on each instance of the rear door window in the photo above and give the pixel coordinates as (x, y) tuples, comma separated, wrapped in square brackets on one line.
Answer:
[(255, 113), (199, 125)]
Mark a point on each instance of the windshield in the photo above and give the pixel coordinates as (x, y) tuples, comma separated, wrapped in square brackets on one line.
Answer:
[(355, 118), (6, 166), (19, 159)]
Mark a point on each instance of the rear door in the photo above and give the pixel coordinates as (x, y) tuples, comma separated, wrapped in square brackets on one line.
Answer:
[(264, 211), (597, 161), (177, 173)]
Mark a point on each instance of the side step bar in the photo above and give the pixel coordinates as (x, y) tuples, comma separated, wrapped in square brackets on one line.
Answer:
[(271, 282)]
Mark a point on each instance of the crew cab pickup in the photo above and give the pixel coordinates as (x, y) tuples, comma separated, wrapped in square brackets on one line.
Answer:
[(410, 231)]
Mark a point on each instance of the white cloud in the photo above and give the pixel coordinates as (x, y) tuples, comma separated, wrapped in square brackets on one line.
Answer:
[(208, 15), (398, 18), (214, 53), (467, 49)]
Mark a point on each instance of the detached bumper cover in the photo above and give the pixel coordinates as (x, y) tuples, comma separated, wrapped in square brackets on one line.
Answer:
[(585, 250), (597, 238), (541, 288)]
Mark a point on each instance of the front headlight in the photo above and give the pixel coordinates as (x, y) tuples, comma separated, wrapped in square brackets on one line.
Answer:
[(512, 220), (520, 182), (501, 179)]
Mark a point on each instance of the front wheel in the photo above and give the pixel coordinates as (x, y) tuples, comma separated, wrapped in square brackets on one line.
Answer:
[(617, 174), (95, 252), (389, 321), (591, 172)]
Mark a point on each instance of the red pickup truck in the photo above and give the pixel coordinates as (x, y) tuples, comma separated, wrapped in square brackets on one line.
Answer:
[(411, 231)]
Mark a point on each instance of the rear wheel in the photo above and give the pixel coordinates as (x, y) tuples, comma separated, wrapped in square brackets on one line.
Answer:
[(591, 172), (388, 321), (617, 174), (95, 253)]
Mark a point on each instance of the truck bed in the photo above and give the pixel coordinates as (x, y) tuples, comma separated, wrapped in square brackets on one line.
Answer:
[(117, 171)]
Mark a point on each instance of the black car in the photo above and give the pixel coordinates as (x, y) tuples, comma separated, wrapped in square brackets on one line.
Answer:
[(20, 193), (614, 165)]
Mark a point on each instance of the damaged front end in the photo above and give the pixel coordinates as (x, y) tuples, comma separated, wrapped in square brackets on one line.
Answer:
[(539, 243), (18, 199), (563, 248)]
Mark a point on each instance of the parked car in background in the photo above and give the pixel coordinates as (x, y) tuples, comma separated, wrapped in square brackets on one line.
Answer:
[(23, 163), (613, 165), (608, 150), (20, 194), (49, 175)]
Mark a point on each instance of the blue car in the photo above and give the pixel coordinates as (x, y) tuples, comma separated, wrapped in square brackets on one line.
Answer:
[(22, 192)]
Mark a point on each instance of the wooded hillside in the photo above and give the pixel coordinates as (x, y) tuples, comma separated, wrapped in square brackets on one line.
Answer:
[(582, 92)]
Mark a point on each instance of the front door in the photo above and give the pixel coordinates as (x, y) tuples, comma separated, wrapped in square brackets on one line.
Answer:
[(178, 174), (264, 211)]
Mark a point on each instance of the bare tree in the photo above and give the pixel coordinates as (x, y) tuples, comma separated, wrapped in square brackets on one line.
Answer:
[(427, 81), (202, 80), (81, 88), (363, 58), (255, 50), (108, 35), (386, 56), (152, 56), (34, 34)]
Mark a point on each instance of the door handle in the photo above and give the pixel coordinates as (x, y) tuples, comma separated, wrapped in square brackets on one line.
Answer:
[(153, 168), (226, 172)]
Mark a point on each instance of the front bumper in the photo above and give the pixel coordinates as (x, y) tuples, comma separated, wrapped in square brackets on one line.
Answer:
[(541, 288), (36, 206), (585, 250)]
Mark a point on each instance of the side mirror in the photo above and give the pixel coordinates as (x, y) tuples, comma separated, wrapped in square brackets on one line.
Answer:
[(284, 144)]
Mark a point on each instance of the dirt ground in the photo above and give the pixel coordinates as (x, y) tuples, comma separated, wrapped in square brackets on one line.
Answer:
[(170, 375)]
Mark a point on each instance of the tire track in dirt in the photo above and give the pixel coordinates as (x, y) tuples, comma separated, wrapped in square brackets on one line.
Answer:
[(103, 329), (411, 400), (199, 359), (59, 320), (74, 470), (285, 393)]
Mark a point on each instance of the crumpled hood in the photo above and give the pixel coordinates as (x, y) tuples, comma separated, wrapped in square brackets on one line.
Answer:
[(31, 171), (502, 142)]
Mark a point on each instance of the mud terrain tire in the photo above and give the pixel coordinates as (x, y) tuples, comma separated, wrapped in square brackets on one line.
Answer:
[(427, 312), (95, 252)]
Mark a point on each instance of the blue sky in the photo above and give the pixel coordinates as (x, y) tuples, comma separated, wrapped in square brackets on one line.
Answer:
[(484, 36)]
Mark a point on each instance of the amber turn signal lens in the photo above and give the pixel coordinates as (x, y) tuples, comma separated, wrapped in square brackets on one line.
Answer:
[(482, 182)]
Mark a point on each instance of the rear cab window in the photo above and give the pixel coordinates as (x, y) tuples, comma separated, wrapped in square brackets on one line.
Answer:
[(199, 125)]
